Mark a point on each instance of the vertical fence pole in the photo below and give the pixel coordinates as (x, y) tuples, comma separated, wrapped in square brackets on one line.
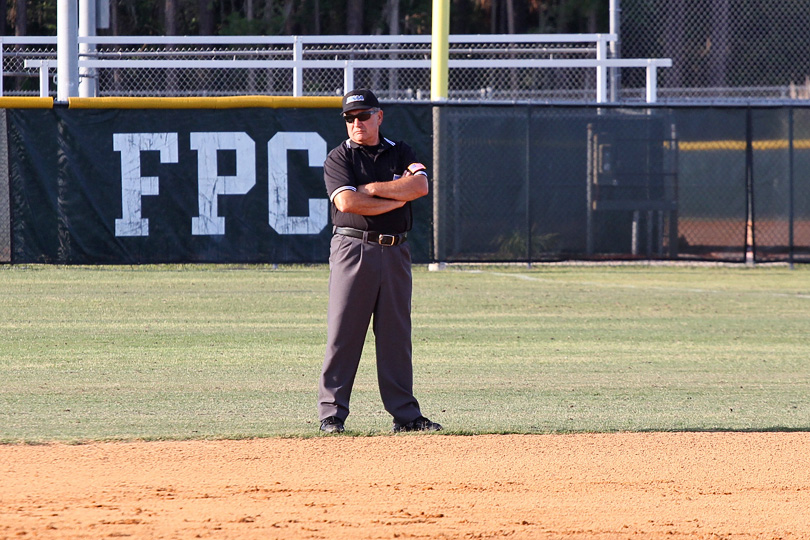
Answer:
[(2, 46), (615, 49), (440, 50), (750, 224), (348, 77), (438, 93), (589, 191), (439, 191), (652, 82), (87, 28), (67, 50), (529, 186), (298, 69), (44, 79), (791, 214), (601, 72), (673, 214)]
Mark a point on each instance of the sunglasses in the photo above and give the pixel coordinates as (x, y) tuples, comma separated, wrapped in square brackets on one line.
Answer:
[(363, 116)]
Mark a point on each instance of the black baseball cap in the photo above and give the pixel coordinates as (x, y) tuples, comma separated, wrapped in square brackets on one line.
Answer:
[(360, 99)]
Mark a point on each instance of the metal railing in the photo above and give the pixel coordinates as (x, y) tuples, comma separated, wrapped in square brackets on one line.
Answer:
[(492, 67)]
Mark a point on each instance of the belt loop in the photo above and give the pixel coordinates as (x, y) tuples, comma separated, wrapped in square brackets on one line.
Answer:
[(365, 237)]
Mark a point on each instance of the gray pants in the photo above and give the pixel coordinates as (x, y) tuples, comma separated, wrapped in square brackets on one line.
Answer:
[(368, 280)]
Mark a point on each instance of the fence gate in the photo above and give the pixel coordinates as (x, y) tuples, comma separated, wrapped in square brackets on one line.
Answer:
[(632, 180)]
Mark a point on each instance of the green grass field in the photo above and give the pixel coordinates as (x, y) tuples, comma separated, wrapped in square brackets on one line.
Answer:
[(171, 352)]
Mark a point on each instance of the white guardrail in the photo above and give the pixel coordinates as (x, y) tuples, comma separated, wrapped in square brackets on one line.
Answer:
[(296, 57)]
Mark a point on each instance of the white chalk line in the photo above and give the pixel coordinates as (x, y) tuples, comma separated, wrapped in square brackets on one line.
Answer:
[(636, 287)]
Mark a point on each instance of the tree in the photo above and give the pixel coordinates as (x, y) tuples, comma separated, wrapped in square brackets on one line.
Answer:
[(205, 17), (21, 19), (170, 17), (392, 12), (354, 17)]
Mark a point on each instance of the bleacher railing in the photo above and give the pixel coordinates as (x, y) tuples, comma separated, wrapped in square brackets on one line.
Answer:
[(513, 67)]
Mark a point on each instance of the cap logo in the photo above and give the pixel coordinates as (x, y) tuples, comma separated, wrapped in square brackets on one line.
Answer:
[(352, 99)]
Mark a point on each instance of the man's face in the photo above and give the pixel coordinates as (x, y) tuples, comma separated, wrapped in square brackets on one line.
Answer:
[(363, 126)]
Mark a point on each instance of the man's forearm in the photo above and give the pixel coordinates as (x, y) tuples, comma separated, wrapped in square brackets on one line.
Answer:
[(352, 202), (407, 188)]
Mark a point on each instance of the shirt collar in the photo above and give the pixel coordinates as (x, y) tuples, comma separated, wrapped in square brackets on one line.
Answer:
[(384, 144)]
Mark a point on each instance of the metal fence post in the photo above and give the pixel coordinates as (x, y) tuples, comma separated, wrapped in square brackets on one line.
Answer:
[(601, 72), (652, 82), (791, 192), (439, 195), (750, 223), (615, 49), (591, 171), (87, 28), (528, 173), (44, 79), (348, 77), (67, 50), (298, 67)]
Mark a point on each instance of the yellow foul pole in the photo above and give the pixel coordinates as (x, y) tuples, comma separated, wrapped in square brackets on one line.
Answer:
[(439, 50)]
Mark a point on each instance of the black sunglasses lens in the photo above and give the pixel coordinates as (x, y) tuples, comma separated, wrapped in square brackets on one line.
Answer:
[(362, 117)]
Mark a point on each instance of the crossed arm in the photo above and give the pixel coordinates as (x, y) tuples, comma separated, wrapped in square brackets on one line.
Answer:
[(381, 197)]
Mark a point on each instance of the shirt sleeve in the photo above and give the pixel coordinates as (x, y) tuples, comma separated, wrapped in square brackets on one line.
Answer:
[(338, 190), (406, 157), (337, 172)]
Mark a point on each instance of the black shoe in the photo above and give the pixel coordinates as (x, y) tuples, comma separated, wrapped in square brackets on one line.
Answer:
[(332, 424), (420, 424)]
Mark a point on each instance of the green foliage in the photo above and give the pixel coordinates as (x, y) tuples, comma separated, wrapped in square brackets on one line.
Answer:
[(514, 246), (469, 17), (236, 24), (307, 17)]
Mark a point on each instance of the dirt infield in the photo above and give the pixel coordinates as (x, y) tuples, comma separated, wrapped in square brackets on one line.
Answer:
[(652, 486)]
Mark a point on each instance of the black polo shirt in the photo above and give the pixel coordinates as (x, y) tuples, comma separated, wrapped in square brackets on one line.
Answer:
[(350, 165)]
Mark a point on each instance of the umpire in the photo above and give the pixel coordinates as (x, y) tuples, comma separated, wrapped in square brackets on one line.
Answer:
[(371, 182)]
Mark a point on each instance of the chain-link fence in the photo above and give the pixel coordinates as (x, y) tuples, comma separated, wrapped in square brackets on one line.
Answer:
[(19, 80), (678, 182), (396, 67), (721, 50), (513, 183), (563, 183), (5, 194)]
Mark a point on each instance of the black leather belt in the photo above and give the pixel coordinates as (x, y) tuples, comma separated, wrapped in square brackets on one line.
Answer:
[(373, 236)]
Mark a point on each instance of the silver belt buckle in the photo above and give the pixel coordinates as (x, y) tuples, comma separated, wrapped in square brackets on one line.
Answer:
[(387, 240)]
